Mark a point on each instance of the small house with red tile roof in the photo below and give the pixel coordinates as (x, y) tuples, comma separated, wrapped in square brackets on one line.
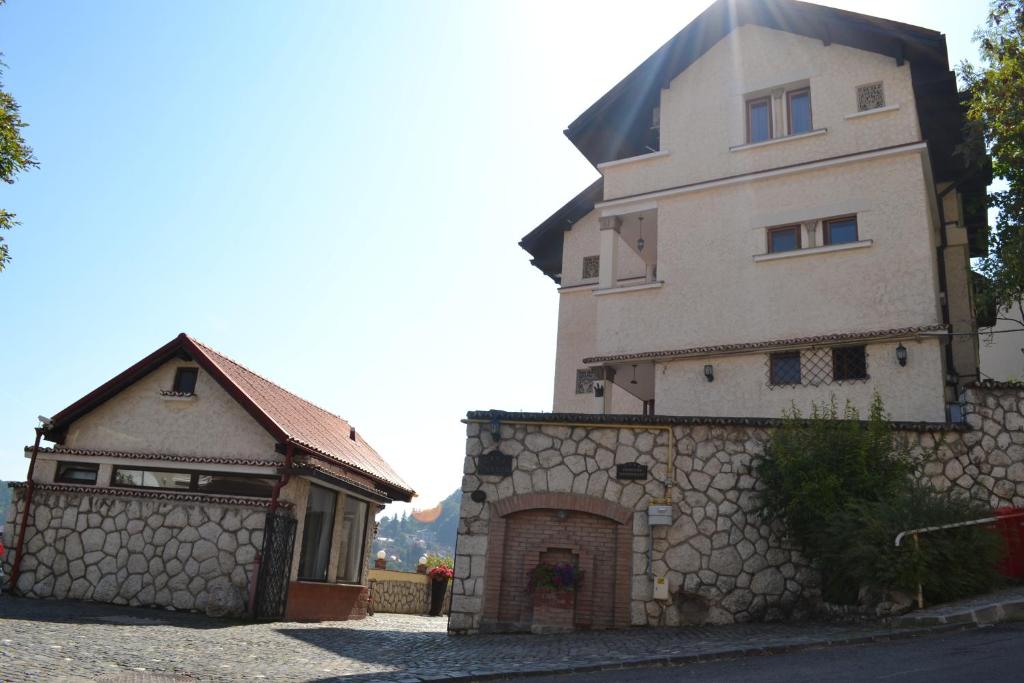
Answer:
[(190, 482)]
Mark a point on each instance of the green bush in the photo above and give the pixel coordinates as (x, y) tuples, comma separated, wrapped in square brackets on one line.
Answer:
[(949, 564), (844, 488), (439, 561)]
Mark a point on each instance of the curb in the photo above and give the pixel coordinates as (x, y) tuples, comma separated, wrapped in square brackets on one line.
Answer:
[(709, 656), (983, 615)]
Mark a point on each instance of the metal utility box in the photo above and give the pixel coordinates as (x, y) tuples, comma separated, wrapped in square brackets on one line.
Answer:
[(659, 515), (660, 588)]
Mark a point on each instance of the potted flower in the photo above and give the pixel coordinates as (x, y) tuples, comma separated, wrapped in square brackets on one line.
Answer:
[(554, 589), (439, 572)]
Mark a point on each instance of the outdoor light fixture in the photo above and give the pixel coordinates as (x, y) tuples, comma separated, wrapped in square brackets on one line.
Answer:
[(901, 355), (382, 555), (495, 429), (709, 373), (633, 381), (640, 243)]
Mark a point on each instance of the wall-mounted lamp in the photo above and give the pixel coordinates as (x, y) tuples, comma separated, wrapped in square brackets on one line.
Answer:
[(495, 429), (901, 355), (633, 381), (709, 373), (640, 243)]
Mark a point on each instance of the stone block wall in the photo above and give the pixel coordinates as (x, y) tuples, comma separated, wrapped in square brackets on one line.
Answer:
[(390, 592), (722, 562), (137, 551)]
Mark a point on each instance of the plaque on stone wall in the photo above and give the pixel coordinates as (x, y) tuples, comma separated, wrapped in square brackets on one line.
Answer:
[(495, 464), (632, 471)]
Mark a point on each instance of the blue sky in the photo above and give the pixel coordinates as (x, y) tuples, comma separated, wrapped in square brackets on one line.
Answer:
[(329, 192)]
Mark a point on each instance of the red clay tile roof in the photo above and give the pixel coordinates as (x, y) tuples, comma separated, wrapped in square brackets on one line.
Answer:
[(286, 416)]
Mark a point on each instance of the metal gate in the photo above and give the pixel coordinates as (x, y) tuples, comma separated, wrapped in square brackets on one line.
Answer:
[(275, 567)]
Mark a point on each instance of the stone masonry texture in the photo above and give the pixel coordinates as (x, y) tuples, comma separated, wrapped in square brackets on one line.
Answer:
[(723, 564), (145, 552)]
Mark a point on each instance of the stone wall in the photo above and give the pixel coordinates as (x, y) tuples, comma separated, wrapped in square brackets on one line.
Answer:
[(722, 563), (137, 551), (402, 592)]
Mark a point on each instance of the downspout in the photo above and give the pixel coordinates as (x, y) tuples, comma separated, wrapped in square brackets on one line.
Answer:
[(943, 286), (30, 486), (257, 563)]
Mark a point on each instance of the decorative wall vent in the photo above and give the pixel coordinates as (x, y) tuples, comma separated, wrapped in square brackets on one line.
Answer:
[(632, 471), (817, 367), (585, 381), (870, 96), (591, 267)]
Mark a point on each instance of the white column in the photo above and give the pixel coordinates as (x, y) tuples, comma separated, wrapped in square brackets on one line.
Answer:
[(608, 277), (778, 113)]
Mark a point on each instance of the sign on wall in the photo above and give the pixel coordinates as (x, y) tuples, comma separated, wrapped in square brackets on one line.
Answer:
[(495, 464), (633, 471)]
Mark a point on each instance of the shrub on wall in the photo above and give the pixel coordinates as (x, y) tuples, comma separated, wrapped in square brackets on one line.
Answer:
[(844, 488)]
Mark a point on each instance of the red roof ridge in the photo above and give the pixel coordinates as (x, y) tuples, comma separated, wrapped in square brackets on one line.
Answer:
[(207, 347)]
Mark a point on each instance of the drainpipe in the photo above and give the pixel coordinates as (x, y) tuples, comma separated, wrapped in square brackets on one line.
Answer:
[(30, 486), (258, 561)]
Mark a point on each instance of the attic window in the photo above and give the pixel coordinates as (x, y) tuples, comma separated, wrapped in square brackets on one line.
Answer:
[(870, 96), (185, 381)]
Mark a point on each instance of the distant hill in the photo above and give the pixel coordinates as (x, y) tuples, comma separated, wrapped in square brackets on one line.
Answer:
[(424, 532)]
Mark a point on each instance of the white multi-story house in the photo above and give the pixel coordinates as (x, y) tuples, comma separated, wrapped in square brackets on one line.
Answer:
[(781, 217)]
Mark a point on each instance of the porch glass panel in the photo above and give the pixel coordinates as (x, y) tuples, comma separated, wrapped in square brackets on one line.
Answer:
[(356, 513), (316, 534)]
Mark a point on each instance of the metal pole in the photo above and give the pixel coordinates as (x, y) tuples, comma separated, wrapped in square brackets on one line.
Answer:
[(30, 485), (920, 590)]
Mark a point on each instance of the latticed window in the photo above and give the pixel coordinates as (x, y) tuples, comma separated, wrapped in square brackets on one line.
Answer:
[(591, 267), (817, 366), (870, 96), (849, 363), (784, 368), (585, 381)]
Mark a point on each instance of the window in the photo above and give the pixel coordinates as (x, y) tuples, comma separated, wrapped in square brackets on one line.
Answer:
[(870, 96), (152, 479), (220, 483), (798, 111), (785, 238), (591, 267), (351, 564), (316, 534), (185, 380), (848, 363), (840, 230), (759, 119), (76, 473), (784, 368)]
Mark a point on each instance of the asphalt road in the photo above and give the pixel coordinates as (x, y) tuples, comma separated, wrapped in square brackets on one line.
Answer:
[(984, 655)]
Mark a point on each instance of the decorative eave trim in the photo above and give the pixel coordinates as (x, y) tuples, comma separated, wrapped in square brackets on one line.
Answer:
[(113, 492), (314, 469), (577, 419), (996, 384), (404, 493), (754, 347), (182, 459)]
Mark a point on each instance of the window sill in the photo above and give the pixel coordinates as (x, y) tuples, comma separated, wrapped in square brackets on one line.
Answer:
[(869, 112), (813, 250), (628, 288), (628, 160), (176, 396), (775, 141)]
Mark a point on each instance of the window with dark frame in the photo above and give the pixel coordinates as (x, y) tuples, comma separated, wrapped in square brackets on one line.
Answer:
[(214, 483), (784, 368), (798, 111), (315, 552), (591, 267), (76, 473), (849, 363), (840, 230), (759, 119), (783, 238), (185, 380)]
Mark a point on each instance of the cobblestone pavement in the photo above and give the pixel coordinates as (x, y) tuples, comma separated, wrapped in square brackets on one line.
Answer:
[(77, 641)]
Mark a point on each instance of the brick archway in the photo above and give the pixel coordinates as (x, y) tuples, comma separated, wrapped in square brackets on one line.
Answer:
[(523, 527)]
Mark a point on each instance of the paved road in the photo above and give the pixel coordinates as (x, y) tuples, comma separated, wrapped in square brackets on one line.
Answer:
[(990, 655), (77, 641)]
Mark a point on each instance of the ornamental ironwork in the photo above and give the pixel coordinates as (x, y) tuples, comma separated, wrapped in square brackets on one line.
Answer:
[(275, 566), (817, 366), (585, 381), (591, 267), (870, 96)]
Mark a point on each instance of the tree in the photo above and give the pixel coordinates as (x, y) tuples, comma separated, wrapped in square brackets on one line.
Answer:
[(996, 111)]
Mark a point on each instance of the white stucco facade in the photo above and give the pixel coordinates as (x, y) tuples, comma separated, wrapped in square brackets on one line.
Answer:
[(681, 236)]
